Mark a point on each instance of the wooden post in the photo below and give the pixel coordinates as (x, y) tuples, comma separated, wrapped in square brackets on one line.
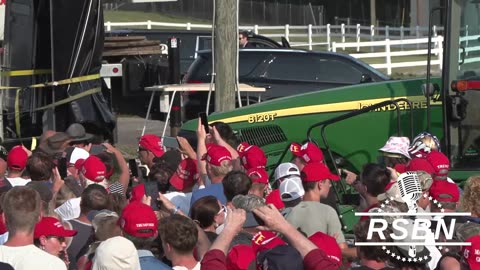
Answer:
[(373, 12), (388, 57), (329, 38), (310, 39), (226, 44)]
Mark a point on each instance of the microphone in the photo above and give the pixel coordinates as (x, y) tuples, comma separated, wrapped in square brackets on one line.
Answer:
[(410, 190)]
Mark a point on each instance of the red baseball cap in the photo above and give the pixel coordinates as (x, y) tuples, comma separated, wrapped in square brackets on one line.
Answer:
[(240, 257), (216, 154), (275, 199), (328, 245), (17, 158), (137, 193), (186, 174), (92, 168), (252, 156), (419, 164), (152, 143), (265, 240), (258, 175), (50, 226), (472, 253), (313, 172), (440, 164), (309, 152), (444, 191), (139, 220)]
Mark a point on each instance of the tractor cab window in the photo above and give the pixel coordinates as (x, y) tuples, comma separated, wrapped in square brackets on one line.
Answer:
[(466, 130)]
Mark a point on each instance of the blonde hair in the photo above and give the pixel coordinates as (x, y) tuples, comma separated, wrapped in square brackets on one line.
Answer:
[(222, 170), (471, 193), (63, 195)]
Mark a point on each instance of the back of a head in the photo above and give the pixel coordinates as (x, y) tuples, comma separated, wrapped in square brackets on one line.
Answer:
[(117, 202), (171, 159), (236, 183), (40, 166), (282, 257), (375, 253), (21, 206), (471, 191), (108, 160), (226, 133), (222, 170), (179, 232), (204, 211), (116, 253), (45, 193), (375, 177), (161, 174), (248, 202), (106, 227), (94, 197)]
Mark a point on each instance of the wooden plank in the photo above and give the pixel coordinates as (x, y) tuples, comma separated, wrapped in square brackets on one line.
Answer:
[(125, 38), (131, 44)]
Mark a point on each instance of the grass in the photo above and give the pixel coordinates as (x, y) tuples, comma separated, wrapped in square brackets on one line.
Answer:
[(128, 151), (138, 16)]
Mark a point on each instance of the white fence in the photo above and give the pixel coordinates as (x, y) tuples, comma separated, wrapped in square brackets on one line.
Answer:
[(387, 53), (305, 35), (377, 41)]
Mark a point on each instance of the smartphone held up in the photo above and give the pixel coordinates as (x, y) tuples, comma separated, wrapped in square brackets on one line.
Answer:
[(204, 122)]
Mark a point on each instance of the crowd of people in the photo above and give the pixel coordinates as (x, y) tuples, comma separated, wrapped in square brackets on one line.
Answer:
[(71, 204)]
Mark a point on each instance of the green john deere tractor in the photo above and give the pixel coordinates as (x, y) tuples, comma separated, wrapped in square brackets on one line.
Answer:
[(351, 123)]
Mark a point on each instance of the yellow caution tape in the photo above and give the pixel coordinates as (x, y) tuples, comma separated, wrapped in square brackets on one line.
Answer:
[(67, 81), (56, 83), (26, 72), (9, 87), (69, 99), (49, 106)]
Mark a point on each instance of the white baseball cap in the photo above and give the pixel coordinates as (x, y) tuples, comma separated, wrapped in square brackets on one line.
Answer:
[(76, 154), (286, 169), (291, 189)]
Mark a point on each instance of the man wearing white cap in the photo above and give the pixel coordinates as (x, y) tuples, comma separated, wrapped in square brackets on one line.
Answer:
[(286, 170), (291, 191)]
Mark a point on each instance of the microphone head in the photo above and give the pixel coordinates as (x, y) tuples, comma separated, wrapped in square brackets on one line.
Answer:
[(409, 186)]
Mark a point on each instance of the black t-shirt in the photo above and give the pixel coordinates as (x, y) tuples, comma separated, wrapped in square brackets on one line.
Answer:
[(84, 231)]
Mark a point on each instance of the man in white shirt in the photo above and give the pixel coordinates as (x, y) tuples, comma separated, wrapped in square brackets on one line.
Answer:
[(22, 210), (16, 163)]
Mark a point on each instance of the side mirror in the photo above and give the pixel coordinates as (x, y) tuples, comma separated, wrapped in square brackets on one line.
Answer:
[(366, 78), (430, 91), (457, 108), (285, 43)]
